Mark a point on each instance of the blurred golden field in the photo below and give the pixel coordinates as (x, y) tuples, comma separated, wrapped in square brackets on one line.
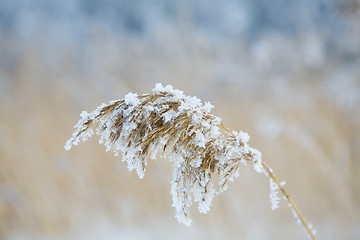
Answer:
[(301, 110)]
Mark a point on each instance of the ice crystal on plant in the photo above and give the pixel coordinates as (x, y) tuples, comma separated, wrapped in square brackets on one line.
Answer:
[(295, 215), (274, 195), (132, 99), (169, 124)]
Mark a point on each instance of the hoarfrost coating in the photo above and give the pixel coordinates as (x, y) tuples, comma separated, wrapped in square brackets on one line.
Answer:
[(177, 127), (274, 195)]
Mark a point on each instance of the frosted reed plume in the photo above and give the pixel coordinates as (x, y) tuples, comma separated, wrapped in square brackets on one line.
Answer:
[(181, 128)]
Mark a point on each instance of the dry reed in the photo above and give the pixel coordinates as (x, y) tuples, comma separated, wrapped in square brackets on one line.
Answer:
[(182, 129)]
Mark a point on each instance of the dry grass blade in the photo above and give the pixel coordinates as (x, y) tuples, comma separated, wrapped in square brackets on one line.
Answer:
[(179, 127)]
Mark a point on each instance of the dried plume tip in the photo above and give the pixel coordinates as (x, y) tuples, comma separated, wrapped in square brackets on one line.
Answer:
[(178, 127)]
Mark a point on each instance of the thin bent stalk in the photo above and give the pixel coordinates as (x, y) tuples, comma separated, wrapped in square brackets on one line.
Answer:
[(289, 199)]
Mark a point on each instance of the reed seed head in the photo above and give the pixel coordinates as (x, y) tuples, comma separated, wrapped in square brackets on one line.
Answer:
[(169, 124)]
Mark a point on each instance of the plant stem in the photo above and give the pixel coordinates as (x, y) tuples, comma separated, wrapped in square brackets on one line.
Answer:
[(289, 199)]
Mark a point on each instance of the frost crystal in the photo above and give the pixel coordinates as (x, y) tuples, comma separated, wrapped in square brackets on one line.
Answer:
[(131, 99), (208, 106), (169, 124), (295, 215), (274, 195)]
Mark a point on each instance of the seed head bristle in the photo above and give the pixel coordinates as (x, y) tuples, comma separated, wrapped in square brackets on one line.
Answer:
[(178, 127)]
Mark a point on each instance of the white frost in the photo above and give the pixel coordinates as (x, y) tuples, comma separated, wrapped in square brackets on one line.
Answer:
[(208, 106), (132, 99), (192, 179), (274, 195), (170, 115)]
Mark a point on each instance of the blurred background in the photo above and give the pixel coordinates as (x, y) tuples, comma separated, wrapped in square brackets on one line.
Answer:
[(286, 72)]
